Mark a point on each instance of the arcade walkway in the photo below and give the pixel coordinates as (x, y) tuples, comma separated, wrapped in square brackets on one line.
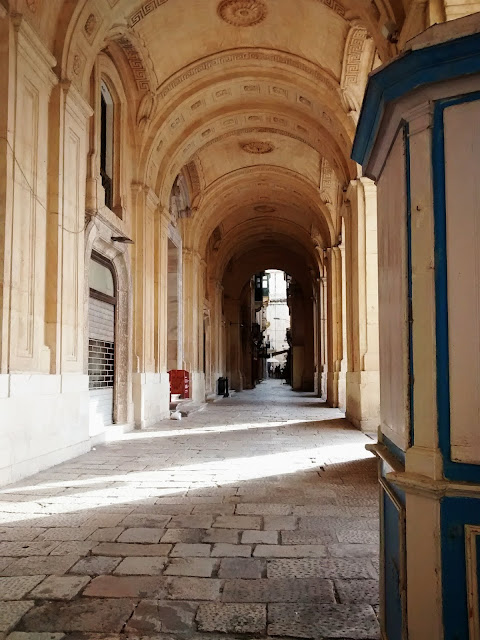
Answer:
[(257, 516)]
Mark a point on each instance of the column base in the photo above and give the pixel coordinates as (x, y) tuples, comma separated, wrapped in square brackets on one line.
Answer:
[(363, 399), (151, 398)]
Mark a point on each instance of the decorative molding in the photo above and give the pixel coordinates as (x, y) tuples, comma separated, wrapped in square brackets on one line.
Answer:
[(135, 61), (257, 147), (90, 24), (334, 6), (242, 13), (148, 7), (249, 130), (353, 55), (144, 11), (245, 56)]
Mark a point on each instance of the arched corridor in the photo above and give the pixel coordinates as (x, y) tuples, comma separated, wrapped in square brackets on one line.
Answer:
[(256, 515), (157, 159)]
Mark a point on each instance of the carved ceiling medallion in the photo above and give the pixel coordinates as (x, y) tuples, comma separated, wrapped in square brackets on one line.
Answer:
[(264, 208), (257, 147), (242, 13)]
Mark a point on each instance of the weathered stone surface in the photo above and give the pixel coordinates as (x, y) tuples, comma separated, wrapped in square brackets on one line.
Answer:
[(80, 548), (11, 612), (11, 534), (279, 590), (60, 587), (64, 534), (238, 522), (357, 591), (231, 550), (184, 550), (40, 565), (153, 616), (308, 537), (142, 520), (106, 534), (232, 618), (261, 509), (222, 536), (249, 568), (127, 587), (16, 587), (321, 567), (357, 536), (188, 536), (142, 566), (141, 535), (323, 620), (279, 523), (196, 567), (194, 589), (125, 549), (96, 565), (346, 550), (19, 549), (191, 522), (290, 551), (25, 635), (84, 614), (259, 537)]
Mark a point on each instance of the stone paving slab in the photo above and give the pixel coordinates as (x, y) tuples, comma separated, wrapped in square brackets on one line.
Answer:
[(358, 591), (142, 566), (40, 565), (188, 503), (184, 550), (354, 622), (16, 587), (127, 587), (12, 612), (279, 590), (125, 549), (163, 616), (141, 535), (83, 614), (59, 587), (249, 568), (290, 551), (24, 635), (232, 618), (12, 534), (232, 550), (319, 567), (195, 567), (194, 589), (99, 565)]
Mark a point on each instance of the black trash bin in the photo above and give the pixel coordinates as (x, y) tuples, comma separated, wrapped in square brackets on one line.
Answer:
[(223, 387)]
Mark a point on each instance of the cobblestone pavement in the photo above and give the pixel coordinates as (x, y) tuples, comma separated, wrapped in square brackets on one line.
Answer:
[(254, 518)]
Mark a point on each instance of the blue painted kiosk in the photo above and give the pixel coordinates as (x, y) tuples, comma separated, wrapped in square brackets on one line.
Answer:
[(418, 138)]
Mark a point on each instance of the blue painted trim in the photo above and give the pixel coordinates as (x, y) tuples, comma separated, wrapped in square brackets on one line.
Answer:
[(452, 470), (438, 63), (455, 513), (406, 133)]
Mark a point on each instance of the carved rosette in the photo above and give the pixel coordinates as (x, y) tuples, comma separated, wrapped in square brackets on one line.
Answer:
[(258, 147), (242, 13)]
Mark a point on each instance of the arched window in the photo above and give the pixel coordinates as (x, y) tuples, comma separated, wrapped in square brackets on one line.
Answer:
[(107, 143)]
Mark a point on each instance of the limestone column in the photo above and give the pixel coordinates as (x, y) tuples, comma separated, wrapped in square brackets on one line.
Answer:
[(193, 297), (234, 342), (323, 334), (162, 221), (342, 375), (148, 392), (334, 323), (362, 378)]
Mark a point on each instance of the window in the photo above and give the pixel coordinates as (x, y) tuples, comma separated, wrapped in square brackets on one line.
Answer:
[(107, 144)]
